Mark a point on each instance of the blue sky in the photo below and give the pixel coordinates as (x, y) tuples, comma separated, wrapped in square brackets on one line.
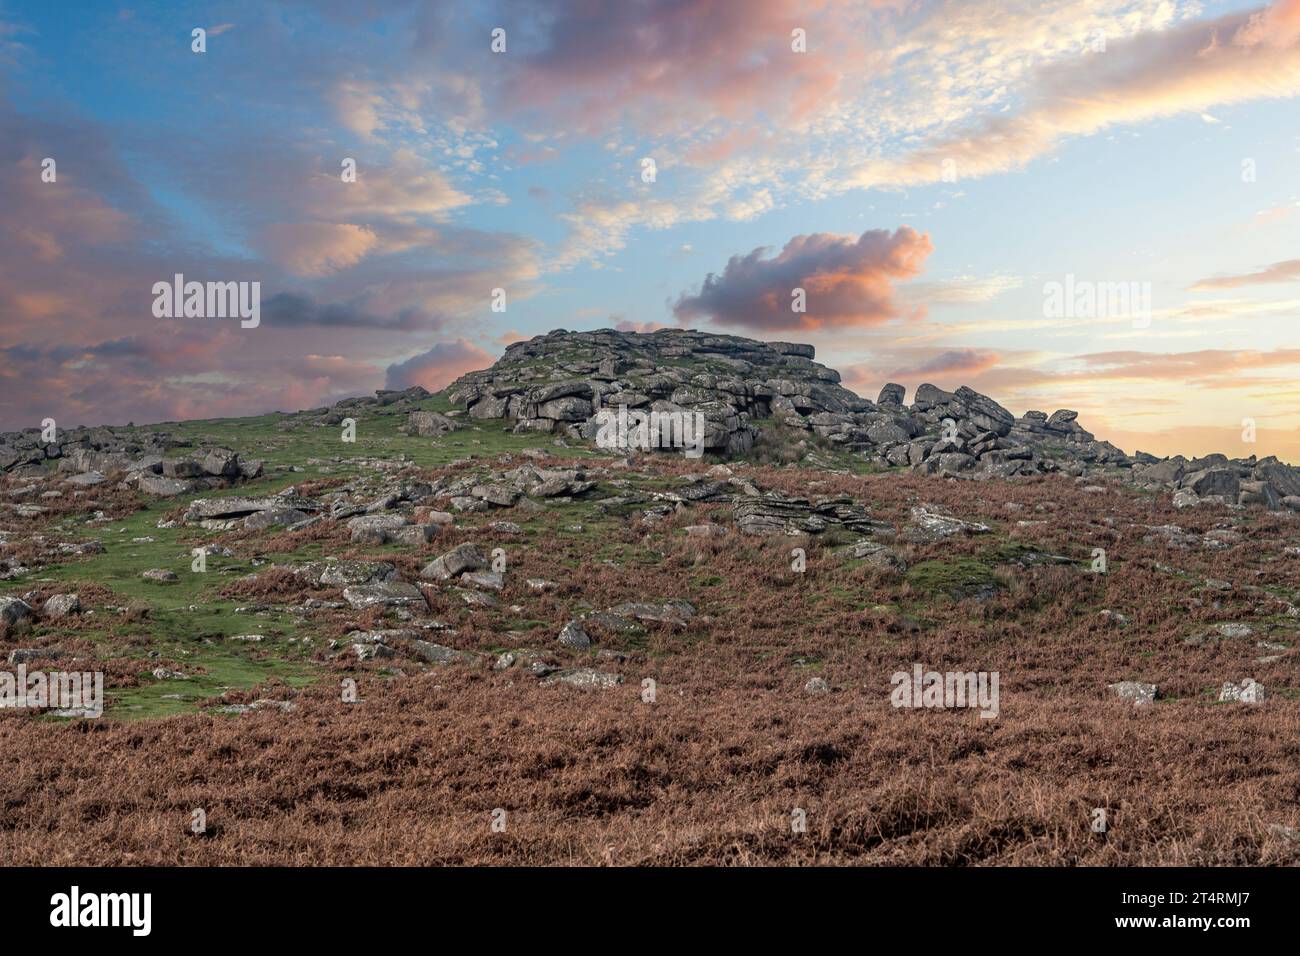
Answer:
[(775, 169)]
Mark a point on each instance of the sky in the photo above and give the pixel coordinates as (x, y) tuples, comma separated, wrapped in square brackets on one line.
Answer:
[(1087, 205)]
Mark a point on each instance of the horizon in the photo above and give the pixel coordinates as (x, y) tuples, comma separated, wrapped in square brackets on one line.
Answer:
[(1079, 205), (909, 390)]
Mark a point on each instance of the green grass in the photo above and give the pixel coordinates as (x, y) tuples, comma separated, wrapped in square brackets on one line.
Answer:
[(958, 577), (224, 670), (196, 638), (189, 622), (377, 436)]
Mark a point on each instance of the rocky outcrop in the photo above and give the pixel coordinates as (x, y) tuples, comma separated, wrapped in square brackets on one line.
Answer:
[(560, 382), (162, 463), (778, 514), (1217, 479), (155, 461)]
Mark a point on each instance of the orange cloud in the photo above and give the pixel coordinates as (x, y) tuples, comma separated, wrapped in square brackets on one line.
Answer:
[(846, 282)]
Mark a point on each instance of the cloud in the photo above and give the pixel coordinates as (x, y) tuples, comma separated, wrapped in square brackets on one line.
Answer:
[(627, 325), (290, 309), (438, 367), (351, 274), (962, 290), (1219, 368), (1286, 271), (847, 282), (1184, 69), (665, 63), (315, 248), (600, 228), (963, 361), (945, 368), (400, 189)]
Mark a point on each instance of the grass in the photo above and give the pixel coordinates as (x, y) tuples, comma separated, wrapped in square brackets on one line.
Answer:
[(709, 772), (956, 578)]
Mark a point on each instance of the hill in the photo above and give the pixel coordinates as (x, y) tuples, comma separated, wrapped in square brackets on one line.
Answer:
[(453, 628)]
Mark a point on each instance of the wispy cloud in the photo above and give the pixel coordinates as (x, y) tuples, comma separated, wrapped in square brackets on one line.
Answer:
[(1286, 271)]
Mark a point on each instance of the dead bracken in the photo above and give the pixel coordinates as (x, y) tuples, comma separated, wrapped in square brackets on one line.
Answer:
[(665, 654)]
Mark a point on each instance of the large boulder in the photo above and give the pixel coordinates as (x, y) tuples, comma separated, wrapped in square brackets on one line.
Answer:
[(1284, 479), (892, 394), (385, 594), (429, 424), (161, 487), (62, 605), (14, 612), (1214, 481), (375, 529), (462, 558), (222, 463)]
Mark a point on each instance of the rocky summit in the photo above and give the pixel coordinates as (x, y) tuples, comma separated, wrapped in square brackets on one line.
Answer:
[(748, 393), (558, 383)]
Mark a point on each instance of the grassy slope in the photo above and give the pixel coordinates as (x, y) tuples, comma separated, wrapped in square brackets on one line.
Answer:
[(709, 773)]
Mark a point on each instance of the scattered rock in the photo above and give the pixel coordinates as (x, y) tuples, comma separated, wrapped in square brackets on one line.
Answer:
[(477, 598), (583, 677), (25, 655), (432, 653), (777, 514), (930, 526), (1246, 692), (1235, 630), (62, 605), (462, 558), (1138, 693), (492, 580), (13, 613), (375, 529), (385, 594), (669, 612), (877, 555), (574, 635), (275, 518)]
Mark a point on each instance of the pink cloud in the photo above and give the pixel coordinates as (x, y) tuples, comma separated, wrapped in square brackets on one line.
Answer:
[(668, 60), (1189, 68), (946, 368), (1287, 271), (846, 281), (439, 366), (627, 325), (315, 248)]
